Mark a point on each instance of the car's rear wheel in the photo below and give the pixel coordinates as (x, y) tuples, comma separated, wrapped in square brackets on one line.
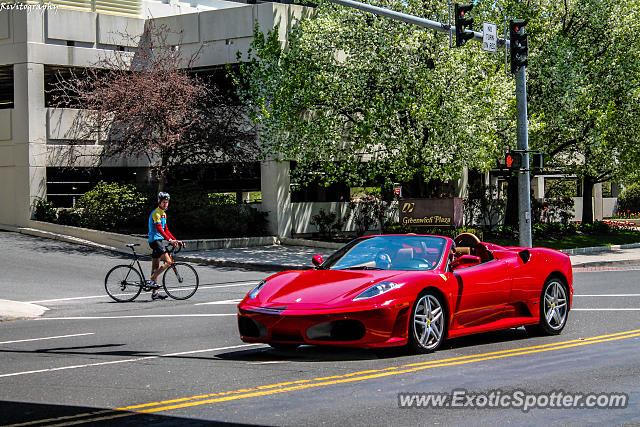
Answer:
[(428, 323), (554, 308)]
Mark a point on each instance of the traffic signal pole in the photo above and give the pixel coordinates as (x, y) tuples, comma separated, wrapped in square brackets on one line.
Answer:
[(410, 19), (524, 185)]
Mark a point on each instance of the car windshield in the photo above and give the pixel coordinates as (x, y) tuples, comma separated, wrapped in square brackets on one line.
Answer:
[(393, 252)]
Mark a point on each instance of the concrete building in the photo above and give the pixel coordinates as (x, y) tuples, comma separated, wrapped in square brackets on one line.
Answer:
[(36, 40)]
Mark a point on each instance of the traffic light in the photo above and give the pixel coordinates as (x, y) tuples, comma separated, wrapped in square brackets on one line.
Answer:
[(513, 160), (537, 161), (519, 44), (463, 24)]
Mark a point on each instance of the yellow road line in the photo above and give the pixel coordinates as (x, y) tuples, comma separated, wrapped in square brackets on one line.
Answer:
[(365, 375), (283, 387)]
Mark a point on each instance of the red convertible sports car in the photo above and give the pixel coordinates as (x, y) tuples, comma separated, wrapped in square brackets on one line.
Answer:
[(414, 290)]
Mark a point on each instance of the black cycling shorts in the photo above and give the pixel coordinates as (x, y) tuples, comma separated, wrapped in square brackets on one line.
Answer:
[(158, 248)]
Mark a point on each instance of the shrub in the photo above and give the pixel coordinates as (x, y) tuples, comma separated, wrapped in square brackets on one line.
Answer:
[(598, 227), (237, 221), (69, 216), (370, 211), (43, 210), (195, 213), (221, 198), (110, 206), (327, 223), (629, 200), (482, 206)]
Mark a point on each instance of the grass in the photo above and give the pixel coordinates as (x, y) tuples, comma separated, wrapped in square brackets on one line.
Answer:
[(578, 240)]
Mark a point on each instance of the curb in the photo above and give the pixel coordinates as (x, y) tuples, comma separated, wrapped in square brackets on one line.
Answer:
[(194, 245), (598, 249), (245, 265), (613, 263), (311, 243)]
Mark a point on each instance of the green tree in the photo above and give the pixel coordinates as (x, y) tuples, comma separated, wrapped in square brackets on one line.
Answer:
[(584, 87), (360, 97)]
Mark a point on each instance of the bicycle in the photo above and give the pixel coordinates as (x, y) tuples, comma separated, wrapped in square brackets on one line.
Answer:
[(124, 283)]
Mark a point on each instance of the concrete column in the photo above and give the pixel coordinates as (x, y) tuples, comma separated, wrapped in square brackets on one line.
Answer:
[(276, 197), (29, 140), (461, 189), (598, 207)]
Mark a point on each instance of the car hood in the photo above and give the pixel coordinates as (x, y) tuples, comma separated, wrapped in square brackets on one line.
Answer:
[(315, 288)]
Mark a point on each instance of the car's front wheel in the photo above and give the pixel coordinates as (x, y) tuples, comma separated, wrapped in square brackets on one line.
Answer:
[(428, 323), (554, 308)]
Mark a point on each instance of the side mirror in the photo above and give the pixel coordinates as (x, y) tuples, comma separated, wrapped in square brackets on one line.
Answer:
[(317, 260), (465, 261)]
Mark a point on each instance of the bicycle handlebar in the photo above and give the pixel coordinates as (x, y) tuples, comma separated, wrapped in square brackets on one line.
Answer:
[(174, 249)]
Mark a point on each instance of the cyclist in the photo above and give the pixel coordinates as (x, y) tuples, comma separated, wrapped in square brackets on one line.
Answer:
[(158, 231)]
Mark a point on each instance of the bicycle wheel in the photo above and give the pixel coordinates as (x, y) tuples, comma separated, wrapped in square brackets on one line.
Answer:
[(180, 281), (123, 283)]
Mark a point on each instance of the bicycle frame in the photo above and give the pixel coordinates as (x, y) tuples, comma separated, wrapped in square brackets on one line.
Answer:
[(127, 288), (171, 250)]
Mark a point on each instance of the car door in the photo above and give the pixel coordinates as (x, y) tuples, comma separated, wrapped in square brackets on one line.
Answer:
[(483, 292)]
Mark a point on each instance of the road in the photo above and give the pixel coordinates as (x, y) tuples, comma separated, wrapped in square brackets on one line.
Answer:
[(89, 360)]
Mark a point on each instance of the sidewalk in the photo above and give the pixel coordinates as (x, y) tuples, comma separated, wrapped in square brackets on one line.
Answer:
[(297, 254), (289, 257)]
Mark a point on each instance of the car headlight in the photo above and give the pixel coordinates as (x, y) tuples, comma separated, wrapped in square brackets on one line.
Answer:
[(377, 289), (254, 292)]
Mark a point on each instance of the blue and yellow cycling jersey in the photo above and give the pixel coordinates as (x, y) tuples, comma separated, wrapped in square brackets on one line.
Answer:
[(157, 216)]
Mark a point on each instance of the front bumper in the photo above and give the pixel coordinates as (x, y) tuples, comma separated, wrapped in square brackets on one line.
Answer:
[(367, 328)]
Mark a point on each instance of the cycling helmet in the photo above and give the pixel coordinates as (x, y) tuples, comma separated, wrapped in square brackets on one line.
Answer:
[(163, 196)]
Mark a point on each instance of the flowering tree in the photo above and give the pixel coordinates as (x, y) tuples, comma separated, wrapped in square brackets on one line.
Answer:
[(147, 104), (584, 88), (359, 97)]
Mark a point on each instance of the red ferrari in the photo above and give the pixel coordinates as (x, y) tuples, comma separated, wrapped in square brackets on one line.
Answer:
[(414, 290)]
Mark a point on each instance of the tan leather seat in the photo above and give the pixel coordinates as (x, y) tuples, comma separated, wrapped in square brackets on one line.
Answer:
[(463, 250), (467, 240)]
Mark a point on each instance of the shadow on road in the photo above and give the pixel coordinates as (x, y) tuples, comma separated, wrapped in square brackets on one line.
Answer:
[(312, 353), (50, 414), (304, 353)]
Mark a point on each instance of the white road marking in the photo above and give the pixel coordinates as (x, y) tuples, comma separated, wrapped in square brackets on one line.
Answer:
[(605, 309), (608, 295), (67, 299), (271, 362), (46, 338), (148, 316), (113, 362), (107, 296), (227, 301)]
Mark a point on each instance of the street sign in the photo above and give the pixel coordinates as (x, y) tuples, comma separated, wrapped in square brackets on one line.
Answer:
[(489, 37), (431, 212)]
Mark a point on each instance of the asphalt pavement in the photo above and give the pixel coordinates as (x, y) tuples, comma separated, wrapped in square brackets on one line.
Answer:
[(290, 257)]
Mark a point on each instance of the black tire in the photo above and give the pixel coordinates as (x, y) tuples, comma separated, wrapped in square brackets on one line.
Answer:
[(123, 283), (180, 281), (428, 323), (284, 345), (554, 308)]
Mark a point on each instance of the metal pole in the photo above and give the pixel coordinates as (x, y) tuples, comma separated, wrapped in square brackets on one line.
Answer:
[(524, 188), (410, 19)]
